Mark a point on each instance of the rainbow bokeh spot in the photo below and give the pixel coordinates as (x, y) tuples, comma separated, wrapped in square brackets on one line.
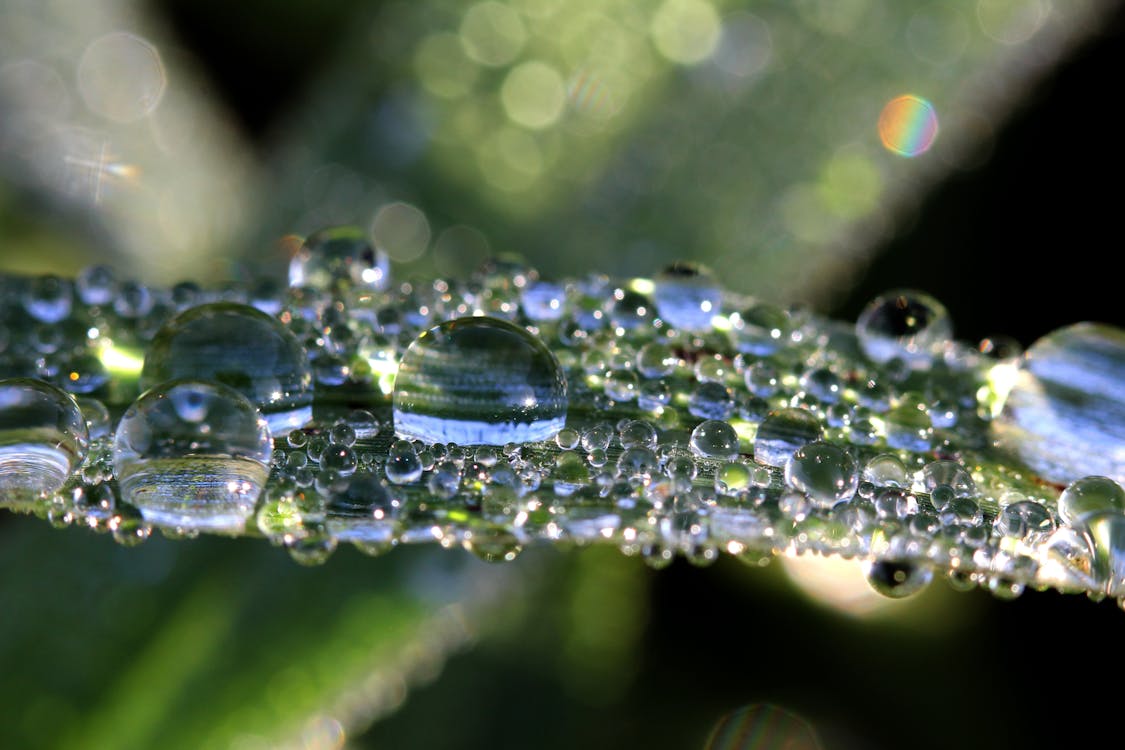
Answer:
[(908, 125)]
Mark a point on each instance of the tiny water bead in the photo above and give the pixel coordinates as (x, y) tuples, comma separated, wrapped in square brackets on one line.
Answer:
[(43, 438), (898, 579), (825, 472), (241, 347), (906, 325), (193, 454), (479, 381), (1064, 415), (339, 259)]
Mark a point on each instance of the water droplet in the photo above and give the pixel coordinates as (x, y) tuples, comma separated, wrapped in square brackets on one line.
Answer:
[(621, 385), (1090, 495), (656, 360), (243, 348), (1065, 414), (762, 379), (714, 439), (361, 510), (193, 454), (898, 579), (711, 400), (479, 380), (493, 545), (906, 325), (687, 296), (822, 384), (782, 433), (43, 438), (338, 259), (543, 302), (1025, 520), (48, 299), (886, 470), (403, 465), (908, 428), (96, 285), (825, 472), (949, 473), (1106, 531), (637, 432), (762, 330)]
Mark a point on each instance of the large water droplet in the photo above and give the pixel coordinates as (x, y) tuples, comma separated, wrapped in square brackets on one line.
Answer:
[(479, 381), (1090, 495), (241, 347), (825, 472), (687, 296), (782, 433), (43, 438), (1106, 530), (906, 325), (898, 578), (337, 259), (714, 439), (1065, 414), (193, 454)]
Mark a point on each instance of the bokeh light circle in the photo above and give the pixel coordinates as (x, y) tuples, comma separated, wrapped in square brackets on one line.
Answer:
[(908, 125)]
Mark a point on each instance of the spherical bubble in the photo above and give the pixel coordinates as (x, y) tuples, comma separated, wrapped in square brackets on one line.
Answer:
[(193, 454), (239, 346), (43, 438), (687, 296), (782, 433), (908, 125), (479, 380)]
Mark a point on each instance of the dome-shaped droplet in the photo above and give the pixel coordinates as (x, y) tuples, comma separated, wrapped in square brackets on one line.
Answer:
[(762, 329), (906, 325), (714, 439), (950, 474), (687, 296), (361, 510), (479, 380), (825, 472), (193, 454), (1090, 495), (43, 438), (898, 578), (782, 433), (1065, 414), (1106, 532), (886, 470), (337, 259), (241, 347)]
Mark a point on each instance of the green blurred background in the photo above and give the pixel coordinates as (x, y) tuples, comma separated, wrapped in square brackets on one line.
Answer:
[(588, 136)]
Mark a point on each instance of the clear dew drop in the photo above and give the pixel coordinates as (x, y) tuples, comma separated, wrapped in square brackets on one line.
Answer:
[(1065, 413), (762, 329), (362, 510), (687, 296), (193, 454), (714, 439), (403, 465), (782, 433), (897, 579), (43, 438), (479, 381), (907, 325), (1025, 520), (338, 259), (886, 470), (711, 400), (1106, 532), (946, 473), (243, 348), (825, 472), (1090, 495)]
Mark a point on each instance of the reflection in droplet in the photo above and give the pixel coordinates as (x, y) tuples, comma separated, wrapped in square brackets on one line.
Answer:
[(763, 727), (193, 454), (121, 77), (906, 325), (479, 380), (1065, 415), (43, 437), (908, 125), (242, 347)]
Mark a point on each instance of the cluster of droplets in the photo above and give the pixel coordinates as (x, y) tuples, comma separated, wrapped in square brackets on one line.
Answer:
[(666, 416)]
